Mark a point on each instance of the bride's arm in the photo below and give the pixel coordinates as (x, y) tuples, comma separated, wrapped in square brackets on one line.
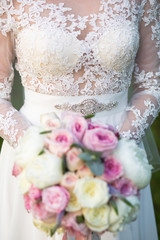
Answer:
[(12, 123), (145, 102)]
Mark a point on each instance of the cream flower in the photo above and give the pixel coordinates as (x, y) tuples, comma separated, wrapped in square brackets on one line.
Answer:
[(50, 121), (91, 192), (134, 161), (29, 146), (97, 218), (23, 183), (73, 204), (45, 171)]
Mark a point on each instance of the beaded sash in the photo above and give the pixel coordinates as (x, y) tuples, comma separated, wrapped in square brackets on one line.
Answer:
[(87, 106)]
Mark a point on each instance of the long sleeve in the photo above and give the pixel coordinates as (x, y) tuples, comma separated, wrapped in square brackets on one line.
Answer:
[(144, 105), (12, 123)]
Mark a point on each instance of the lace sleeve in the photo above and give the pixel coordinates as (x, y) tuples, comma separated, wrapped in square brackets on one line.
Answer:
[(12, 123), (145, 102)]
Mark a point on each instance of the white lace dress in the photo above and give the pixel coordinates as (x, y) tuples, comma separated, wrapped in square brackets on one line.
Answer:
[(83, 63)]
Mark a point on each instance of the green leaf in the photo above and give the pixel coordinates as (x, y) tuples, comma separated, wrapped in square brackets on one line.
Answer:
[(52, 232), (45, 132), (64, 164), (80, 219), (89, 116), (87, 157), (41, 152), (126, 201), (77, 145), (114, 205), (97, 154), (96, 167)]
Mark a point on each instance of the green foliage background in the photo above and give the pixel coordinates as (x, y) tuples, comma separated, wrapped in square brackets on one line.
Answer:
[(17, 101)]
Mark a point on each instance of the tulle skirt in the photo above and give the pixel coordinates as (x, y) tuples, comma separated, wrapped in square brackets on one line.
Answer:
[(16, 222)]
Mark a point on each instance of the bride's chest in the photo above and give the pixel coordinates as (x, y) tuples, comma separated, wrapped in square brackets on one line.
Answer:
[(53, 35)]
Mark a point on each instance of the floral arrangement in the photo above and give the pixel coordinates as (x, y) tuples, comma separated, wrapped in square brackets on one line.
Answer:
[(80, 176)]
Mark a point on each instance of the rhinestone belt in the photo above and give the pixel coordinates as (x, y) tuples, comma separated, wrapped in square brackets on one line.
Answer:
[(87, 107)]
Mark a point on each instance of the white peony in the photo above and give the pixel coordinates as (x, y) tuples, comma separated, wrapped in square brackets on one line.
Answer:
[(29, 146), (45, 170), (97, 218), (134, 161), (91, 192), (23, 183), (126, 214)]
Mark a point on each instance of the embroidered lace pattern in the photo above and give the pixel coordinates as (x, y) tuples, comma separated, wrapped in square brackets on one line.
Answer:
[(61, 53), (76, 66)]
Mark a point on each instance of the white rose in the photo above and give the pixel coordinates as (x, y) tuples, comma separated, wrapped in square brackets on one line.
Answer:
[(23, 183), (97, 218), (29, 146), (134, 161), (91, 192), (50, 121), (126, 214), (45, 170)]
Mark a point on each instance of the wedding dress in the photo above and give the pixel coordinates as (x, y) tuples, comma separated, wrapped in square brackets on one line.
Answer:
[(80, 63)]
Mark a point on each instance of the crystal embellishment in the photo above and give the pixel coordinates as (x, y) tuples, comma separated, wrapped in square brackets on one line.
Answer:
[(87, 107)]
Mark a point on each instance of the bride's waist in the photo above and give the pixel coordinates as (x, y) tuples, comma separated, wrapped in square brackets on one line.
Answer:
[(101, 105)]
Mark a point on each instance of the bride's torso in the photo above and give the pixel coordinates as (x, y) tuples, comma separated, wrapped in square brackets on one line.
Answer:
[(60, 52)]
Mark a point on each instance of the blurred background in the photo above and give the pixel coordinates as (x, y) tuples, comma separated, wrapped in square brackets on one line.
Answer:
[(17, 101)]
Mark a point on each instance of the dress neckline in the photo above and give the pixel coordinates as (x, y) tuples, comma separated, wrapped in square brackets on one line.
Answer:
[(63, 5)]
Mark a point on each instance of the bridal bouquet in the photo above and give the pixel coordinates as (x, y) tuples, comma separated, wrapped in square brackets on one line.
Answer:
[(80, 176)]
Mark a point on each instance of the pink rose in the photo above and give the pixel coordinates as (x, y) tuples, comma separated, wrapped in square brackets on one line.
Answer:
[(112, 169), (84, 172), (35, 193), (27, 202), (75, 123), (16, 170), (60, 141), (125, 186), (39, 211), (69, 180), (55, 198), (69, 222), (73, 161), (100, 140), (93, 125)]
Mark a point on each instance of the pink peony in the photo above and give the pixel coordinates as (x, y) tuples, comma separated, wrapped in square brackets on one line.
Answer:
[(100, 140), (112, 169), (27, 202), (16, 170), (55, 198), (125, 186), (73, 161), (69, 222), (39, 211), (75, 123), (69, 180), (60, 141), (35, 193), (84, 171)]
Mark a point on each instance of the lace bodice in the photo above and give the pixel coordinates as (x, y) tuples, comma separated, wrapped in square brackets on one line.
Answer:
[(62, 52)]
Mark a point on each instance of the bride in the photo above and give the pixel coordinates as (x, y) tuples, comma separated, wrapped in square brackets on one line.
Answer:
[(81, 52)]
